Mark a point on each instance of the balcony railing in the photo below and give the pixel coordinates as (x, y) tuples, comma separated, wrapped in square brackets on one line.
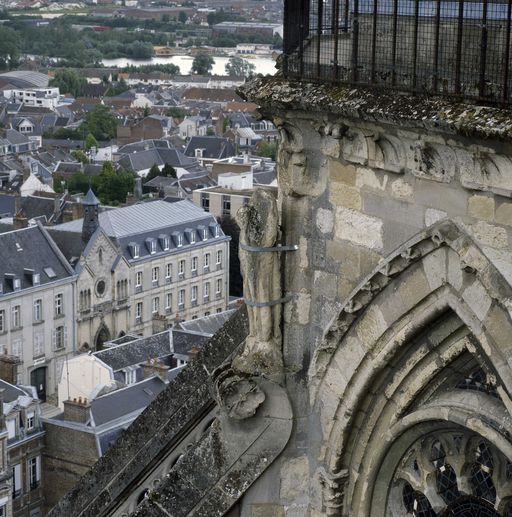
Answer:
[(456, 48)]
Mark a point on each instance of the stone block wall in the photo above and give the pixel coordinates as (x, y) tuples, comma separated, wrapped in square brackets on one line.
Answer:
[(356, 184)]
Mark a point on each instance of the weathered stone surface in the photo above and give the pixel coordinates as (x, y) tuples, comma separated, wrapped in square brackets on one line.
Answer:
[(490, 235), (294, 478), (481, 207), (267, 510), (358, 228)]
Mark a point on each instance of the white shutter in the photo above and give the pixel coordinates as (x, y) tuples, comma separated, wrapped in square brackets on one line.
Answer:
[(17, 477), (38, 468), (65, 337)]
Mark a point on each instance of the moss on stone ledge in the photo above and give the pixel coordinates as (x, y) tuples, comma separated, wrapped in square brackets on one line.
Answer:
[(275, 94)]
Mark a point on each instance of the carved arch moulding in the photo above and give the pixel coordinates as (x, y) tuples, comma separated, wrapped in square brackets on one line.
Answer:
[(412, 386)]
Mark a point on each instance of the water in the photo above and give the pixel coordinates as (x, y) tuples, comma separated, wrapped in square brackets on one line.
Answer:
[(264, 65)]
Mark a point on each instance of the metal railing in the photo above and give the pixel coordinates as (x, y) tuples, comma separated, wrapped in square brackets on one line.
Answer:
[(457, 48)]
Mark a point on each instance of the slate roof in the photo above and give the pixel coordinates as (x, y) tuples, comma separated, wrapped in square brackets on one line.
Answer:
[(22, 251), (213, 147), (26, 78), (7, 205), (11, 392), (124, 401), (183, 342), (136, 352), (207, 325), (143, 160), (137, 223)]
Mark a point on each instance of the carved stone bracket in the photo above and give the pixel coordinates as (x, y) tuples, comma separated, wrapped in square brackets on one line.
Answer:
[(333, 490)]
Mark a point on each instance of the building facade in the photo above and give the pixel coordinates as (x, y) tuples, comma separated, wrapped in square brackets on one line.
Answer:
[(37, 308)]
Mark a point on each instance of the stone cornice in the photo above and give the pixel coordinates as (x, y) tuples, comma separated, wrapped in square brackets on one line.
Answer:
[(275, 94)]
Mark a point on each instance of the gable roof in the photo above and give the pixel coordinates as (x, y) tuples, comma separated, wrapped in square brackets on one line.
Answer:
[(213, 147)]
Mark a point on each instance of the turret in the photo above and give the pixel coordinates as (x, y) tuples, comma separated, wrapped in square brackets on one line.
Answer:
[(91, 206)]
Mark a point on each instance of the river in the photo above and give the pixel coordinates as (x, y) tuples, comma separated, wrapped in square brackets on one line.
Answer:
[(264, 65)]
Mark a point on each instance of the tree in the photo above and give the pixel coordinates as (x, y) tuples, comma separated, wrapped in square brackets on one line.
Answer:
[(268, 150), (240, 67), (182, 17), (90, 141), (202, 64), (114, 185), (168, 171), (154, 172), (79, 156), (69, 81), (101, 123), (9, 48)]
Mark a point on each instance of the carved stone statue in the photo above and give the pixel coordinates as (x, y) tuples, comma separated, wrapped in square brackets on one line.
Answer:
[(260, 266)]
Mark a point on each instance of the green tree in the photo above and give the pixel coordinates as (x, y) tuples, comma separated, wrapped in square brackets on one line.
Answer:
[(240, 67), (202, 64), (182, 17), (69, 81), (79, 156), (90, 141), (9, 48), (113, 186), (267, 150), (101, 123), (175, 112), (168, 171), (154, 172)]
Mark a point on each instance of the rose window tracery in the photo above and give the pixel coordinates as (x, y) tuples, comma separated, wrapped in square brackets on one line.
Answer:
[(453, 474)]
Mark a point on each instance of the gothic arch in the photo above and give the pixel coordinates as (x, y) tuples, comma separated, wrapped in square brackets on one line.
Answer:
[(390, 370), (102, 335)]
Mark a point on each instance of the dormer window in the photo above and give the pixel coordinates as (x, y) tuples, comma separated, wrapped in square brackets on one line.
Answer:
[(36, 279), (165, 242), (191, 236), (134, 250), (151, 244), (215, 230), (180, 240), (205, 234), (16, 284)]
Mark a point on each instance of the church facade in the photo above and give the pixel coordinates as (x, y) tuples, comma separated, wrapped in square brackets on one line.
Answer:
[(376, 378)]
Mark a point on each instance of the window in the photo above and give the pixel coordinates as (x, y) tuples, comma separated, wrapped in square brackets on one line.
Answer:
[(218, 286), (36, 279), (155, 306), (166, 243), (206, 260), (3, 326), (205, 234), (59, 337), (34, 472), (16, 284), (181, 267), (138, 311), (16, 481), (194, 264), (219, 257), (38, 344), (226, 205), (17, 348), (217, 231), (30, 421), (181, 297), (155, 274), (16, 317), (168, 271), (152, 246), (38, 311), (3, 510), (192, 237), (193, 293), (59, 308), (135, 250), (138, 279), (206, 289), (130, 375), (180, 240), (168, 302), (205, 202), (11, 427)]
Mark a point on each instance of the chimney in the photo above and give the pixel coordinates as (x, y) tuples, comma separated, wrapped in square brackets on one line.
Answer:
[(20, 221), (91, 222), (8, 368), (158, 369), (138, 188), (77, 410)]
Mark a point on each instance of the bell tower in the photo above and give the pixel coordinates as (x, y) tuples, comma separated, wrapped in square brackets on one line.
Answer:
[(91, 206)]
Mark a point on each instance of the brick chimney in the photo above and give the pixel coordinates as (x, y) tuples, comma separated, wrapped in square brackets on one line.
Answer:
[(159, 369), (8, 368), (77, 410), (20, 221)]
